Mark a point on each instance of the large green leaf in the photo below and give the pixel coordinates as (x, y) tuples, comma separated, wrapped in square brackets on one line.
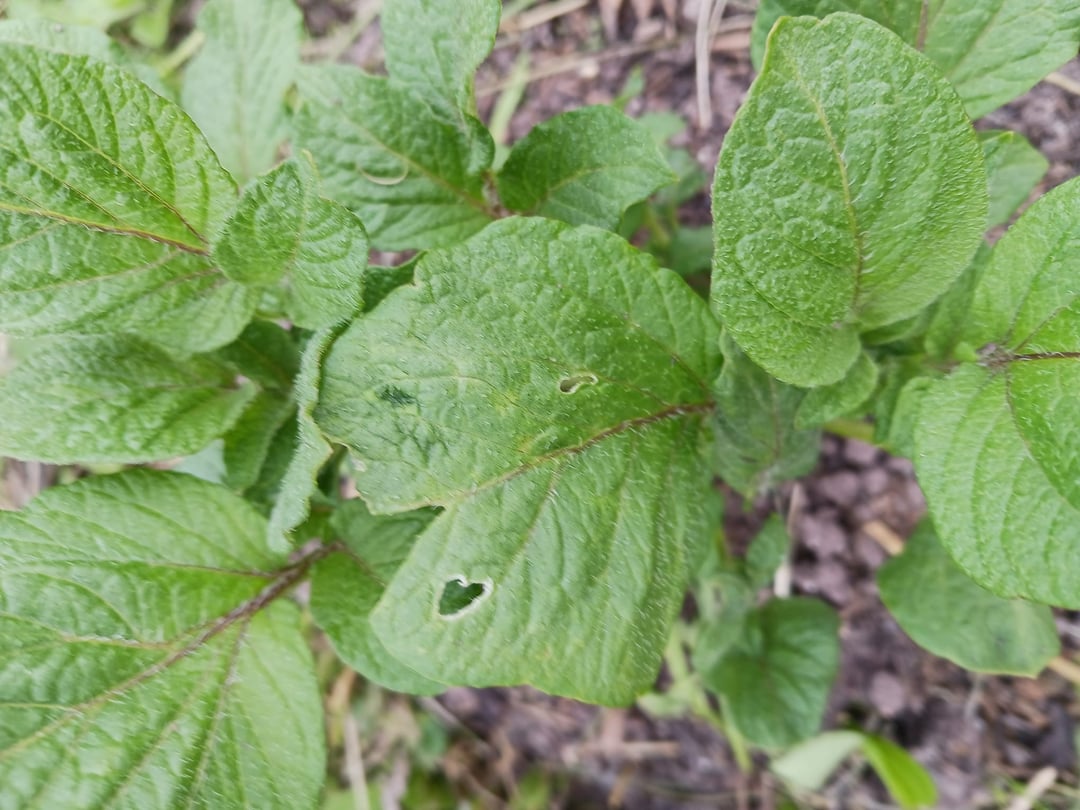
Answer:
[(548, 385), (998, 449), (757, 443), (991, 50), (437, 45), (345, 587), (285, 232), (849, 194), (235, 86), (943, 610), (114, 399), (109, 199), (407, 166), (585, 167), (775, 681), (141, 662)]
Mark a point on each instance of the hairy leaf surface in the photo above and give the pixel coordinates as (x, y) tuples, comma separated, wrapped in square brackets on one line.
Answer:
[(285, 232), (235, 86), (991, 50), (109, 197), (831, 216), (437, 45), (549, 387), (404, 165), (1013, 168), (947, 613), (998, 442), (345, 587), (776, 680), (757, 442), (138, 667), (585, 167), (114, 399)]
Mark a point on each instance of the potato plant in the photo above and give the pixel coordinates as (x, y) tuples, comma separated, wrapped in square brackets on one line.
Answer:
[(534, 412)]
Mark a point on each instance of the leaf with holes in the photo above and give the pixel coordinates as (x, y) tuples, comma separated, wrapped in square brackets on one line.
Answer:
[(893, 219), (403, 164), (286, 237), (144, 659), (109, 201), (115, 399), (998, 447), (991, 50), (585, 167), (346, 586), (775, 681), (939, 606), (560, 417), (235, 86)]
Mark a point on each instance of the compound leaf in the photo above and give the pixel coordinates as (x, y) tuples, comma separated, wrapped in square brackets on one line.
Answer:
[(776, 680), (109, 199), (404, 165), (998, 449), (115, 399), (895, 217), (991, 50), (345, 587), (947, 613), (141, 664), (284, 232), (437, 45), (235, 86), (585, 167), (559, 414), (757, 443)]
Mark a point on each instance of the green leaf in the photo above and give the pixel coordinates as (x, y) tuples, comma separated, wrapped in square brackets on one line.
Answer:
[(247, 445), (404, 165), (998, 454), (311, 450), (776, 680), (991, 50), (114, 400), (142, 663), (846, 115), (109, 201), (1013, 167), (757, 443), (265, 353), (952, 312), (767, 552), (906, 780), (559, 414), (346, 586), (830, 402), (235, 86), (809, 764), (584, 167), (283, 231), (437, 45), (69, 39), (725, 599), (101, 14), (940, 607)]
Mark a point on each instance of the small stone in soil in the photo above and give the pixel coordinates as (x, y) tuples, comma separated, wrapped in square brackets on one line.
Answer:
[(887, 693), (841, 488), (860, 454), (821, 533)]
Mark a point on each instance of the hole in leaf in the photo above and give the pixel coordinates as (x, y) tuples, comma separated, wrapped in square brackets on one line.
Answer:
[(569, 385), (459, 595)]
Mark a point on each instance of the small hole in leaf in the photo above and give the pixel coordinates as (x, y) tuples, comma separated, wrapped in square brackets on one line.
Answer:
[(459, 595), (569, 385)]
